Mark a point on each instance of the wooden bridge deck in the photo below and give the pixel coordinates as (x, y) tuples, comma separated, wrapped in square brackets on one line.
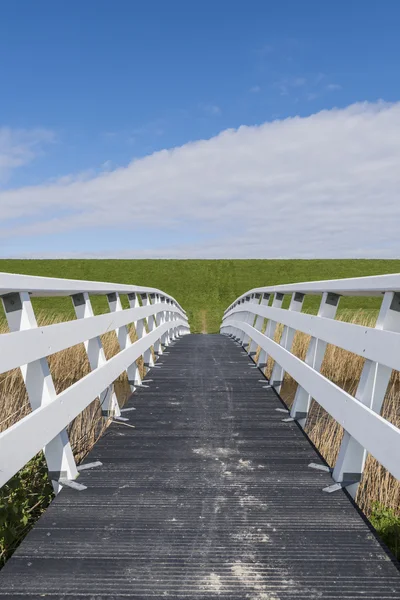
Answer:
[(209, 497)]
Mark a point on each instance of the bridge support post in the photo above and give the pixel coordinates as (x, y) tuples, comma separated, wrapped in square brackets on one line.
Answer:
[(371, 392), (152, 324), (141, 332), (95, 352), (314, 357), (174, 333), (171, 332), (162, 320), (134, 303), (259, 323), (40, 388), (278, 373), (234, 331), (270, 331), (165, 340), (238, 336), (158, 320), (122, 333), (249, 319)]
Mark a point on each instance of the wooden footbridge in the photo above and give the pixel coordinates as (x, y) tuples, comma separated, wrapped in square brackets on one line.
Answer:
[(216, 492)]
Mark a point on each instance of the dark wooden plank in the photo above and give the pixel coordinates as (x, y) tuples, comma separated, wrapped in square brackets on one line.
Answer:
[(209, 497)]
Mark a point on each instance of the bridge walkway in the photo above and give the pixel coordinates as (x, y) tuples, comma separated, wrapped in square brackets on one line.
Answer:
[(208, 497)]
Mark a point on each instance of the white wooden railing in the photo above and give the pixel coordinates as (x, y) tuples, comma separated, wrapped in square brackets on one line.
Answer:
[(365, 429), (158, 320)]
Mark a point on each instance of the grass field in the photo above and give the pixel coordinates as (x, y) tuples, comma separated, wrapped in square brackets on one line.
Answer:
[(203, 287)]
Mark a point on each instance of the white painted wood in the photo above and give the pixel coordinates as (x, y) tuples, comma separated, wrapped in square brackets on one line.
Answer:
[(97, 358), (147, 324), (314, 357), (355, 286), (254, 299), (278, 373), (172, 318), (364, 427), (259, 322), (269, 331), (22, 441), (248, 317), (370, 392), (31, 344), (176, 329), (168, 338), (162, 320), (157, 317), (377, 345), (52, 286), (134, 304), (40, 388), (240, 313), (122, 333), (27, 346), (378, 436)]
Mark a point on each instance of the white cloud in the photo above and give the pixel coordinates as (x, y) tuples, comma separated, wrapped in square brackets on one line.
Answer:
[(322, 186), (255, 89), (18, 147)]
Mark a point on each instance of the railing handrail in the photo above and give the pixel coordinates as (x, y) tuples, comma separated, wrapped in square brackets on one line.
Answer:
[(368, 342), (22, 347), (38, 286), (374, 285), (365, 429), (158, 320)]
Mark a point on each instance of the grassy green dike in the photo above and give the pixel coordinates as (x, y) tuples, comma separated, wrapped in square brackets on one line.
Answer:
[(204, 288)]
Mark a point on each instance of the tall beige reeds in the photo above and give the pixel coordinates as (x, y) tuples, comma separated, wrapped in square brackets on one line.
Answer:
[(66, 367), (344, 369)]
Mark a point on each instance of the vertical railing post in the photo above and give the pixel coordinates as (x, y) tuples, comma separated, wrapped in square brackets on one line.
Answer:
[(270, 330), (175, 316), (152, 324), (122, 333), (134, 303), (259, 322), (170, 336), (40, 388), (95, 352), (371, 392), (158, 350), (278, 373), (242, 315), (237, 316), (172, 318), (314, 357), (147, 356), (166, 339), (163, 319), (249, 319)]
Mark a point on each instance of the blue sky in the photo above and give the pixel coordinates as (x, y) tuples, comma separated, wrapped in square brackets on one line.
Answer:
[(93, 91)]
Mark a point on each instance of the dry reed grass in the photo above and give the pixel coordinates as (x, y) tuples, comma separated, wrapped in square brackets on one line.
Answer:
[(66, 367), (344, 369)]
